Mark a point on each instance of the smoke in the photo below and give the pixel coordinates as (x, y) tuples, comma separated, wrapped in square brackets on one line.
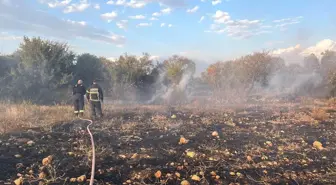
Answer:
[(287, 84), (159, 86), (174, 92)]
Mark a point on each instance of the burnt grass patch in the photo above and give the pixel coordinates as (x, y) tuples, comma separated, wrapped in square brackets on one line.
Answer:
[(253, 146)]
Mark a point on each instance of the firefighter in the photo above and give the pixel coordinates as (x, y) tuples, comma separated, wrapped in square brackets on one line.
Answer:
[(94, 95), (78, 93)]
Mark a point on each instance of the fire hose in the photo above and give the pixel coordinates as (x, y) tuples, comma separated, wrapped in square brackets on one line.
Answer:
[(93, 151)]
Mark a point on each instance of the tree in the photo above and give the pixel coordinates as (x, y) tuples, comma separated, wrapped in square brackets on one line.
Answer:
[(89, 67), (53, 57), (176, 66), (328, 60), (43, 67), (129, 74), (311, 62), (6, 64)]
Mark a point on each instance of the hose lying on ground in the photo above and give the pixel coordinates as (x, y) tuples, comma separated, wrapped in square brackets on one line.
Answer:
[(93, 151)]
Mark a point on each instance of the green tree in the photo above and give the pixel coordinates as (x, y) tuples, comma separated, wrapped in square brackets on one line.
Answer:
[(44, 67), (176, 66), (89, 67), (54, 58), (127, 75)]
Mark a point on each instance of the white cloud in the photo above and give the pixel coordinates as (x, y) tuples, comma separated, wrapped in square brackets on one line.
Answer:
[(77, 7), (7, 36), (163, 11), (144, 24), (170, 3), (137, 17), (122, 24), (297, 48), (156, 14), (221, 17), (193, 10), (57, 3), (164, 24), (282, 24), (136, 4), (131, 3), (295, 54), (153, 19), (243, 29), (83, 23), (215, 2), (97, 6), (121, 2), (109, 16), (43, 24), (201, 19), (166, 10), (239, 29), (320, 47)]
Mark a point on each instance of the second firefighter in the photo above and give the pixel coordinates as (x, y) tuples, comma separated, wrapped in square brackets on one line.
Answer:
[(94, 95)]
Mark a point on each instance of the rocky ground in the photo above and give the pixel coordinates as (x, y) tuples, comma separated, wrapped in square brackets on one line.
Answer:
[(248, 145)]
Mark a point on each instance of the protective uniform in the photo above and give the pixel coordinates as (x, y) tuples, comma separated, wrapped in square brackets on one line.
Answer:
[(78, 93), (95, 96)]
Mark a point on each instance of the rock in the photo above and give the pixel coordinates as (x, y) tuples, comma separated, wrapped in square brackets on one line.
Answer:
[(81, 178), (185, 182), (18, 181), (47, 160), (318, 145), (196, 178), (17, 155), (249, 158), (158, 174), (30, 143), (42, 175), (190, 154), (214, 134), (183, 141)]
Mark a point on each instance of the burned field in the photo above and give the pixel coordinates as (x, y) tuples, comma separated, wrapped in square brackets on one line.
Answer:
[(285, 144)]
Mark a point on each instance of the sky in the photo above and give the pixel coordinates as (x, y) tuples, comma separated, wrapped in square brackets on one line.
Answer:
[(206, 31)]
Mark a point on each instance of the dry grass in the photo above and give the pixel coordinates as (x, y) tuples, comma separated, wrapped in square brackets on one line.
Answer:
[(319, 114), (18, 116)]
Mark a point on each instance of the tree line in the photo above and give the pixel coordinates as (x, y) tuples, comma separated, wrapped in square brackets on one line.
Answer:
[(43, 71)]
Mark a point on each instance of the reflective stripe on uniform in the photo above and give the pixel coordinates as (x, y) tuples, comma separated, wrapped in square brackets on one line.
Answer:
[(76, 111), (81, 111), (94, 91), (95, 100)]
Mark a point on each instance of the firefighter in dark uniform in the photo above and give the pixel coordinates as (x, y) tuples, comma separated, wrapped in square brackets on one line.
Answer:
[(78, 93), (94, 95)]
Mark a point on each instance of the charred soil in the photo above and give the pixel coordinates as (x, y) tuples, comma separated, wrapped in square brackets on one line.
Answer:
[(249, 145)]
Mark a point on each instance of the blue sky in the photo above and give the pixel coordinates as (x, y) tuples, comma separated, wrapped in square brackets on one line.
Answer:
[(204, 30)]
